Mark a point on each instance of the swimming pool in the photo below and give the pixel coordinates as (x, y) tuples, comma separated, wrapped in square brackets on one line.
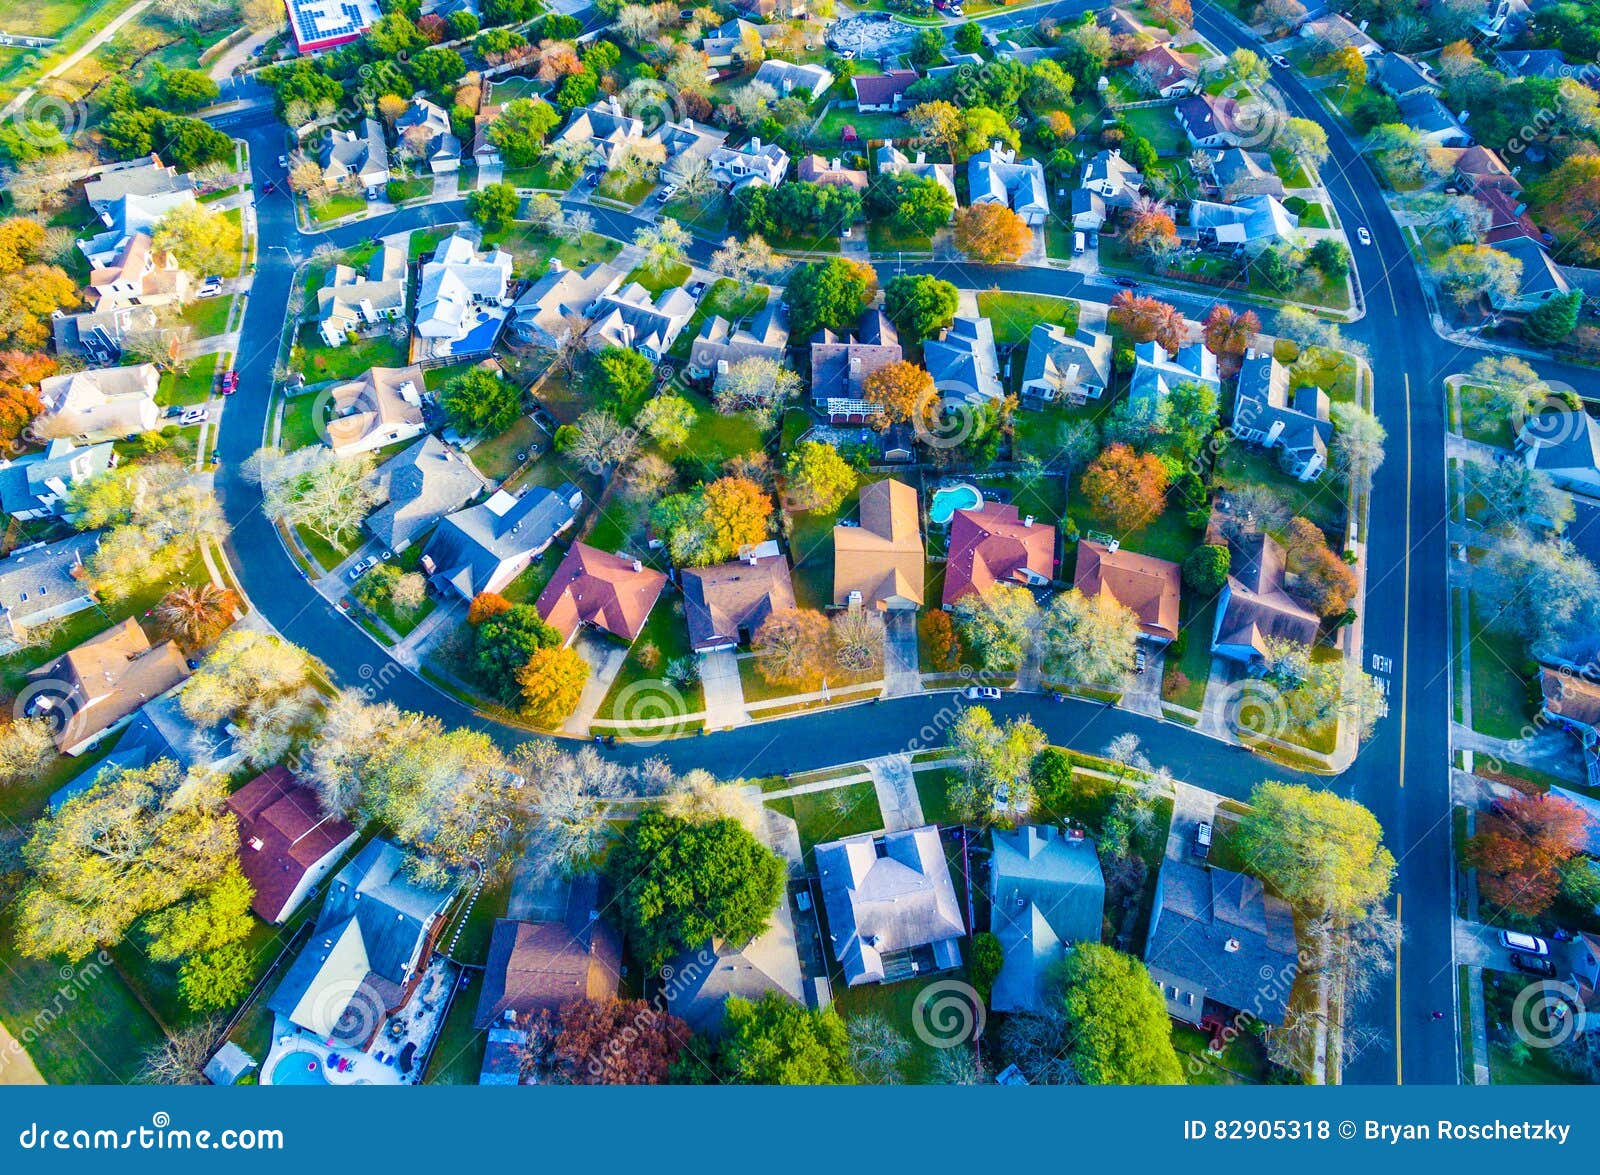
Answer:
[(298, 1068), (948, 500)]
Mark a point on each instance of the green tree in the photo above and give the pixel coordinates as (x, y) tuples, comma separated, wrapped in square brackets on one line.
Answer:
[(775, 1041), (920, 304), (927, 48), (969, 37), (622, 378), (1551, 322), (1088, 639), (211, 919), (818, 478), (997, 626), (679, 885), (478, 402), (828, 295), (520, 131), (997, 780), (495, 206), (1321, 852), (187, 89), (1118, 1030), (202, 241), (216, 980), (503, 644), (988, 956), (1205, 569)]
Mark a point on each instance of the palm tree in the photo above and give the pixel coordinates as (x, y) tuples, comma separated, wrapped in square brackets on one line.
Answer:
[(197, 613)]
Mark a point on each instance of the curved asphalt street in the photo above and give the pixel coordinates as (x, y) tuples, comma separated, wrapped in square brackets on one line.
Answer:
[(1401, 774)]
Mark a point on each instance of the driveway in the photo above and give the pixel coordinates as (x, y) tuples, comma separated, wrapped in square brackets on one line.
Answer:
[(902, 672), (606, 661), (719, 677), (897, 792)]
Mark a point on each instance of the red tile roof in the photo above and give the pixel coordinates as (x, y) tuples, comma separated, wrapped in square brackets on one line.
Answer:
[(612, 592), (283, 835), (993, 545)]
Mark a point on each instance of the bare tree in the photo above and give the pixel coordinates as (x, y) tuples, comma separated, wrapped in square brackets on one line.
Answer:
[(571, 797), (181, 1058), (877, 1051)]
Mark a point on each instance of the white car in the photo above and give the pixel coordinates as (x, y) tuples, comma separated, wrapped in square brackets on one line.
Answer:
[(362, 567), (283, 162), (193, 416), (210, 288), (1280, 61), (1527, 944), (1363, 235), (982, 693)]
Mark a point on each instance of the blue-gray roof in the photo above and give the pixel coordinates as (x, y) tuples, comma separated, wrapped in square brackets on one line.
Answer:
[(1047, 894), (471, 545)]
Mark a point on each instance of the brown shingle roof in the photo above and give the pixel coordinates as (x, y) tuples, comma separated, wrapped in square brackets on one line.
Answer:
[(283, 835), (1146, 586), (596, 587), (107, 678), (728, 597), (1574, 698), (534, 966), (1166, 66), (991, 546), (882, 558), (880, 88)]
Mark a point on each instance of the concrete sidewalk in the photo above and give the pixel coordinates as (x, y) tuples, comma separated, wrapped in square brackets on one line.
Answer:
[(897, 792)]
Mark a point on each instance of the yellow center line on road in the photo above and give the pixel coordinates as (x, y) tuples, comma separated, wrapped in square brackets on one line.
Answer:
[(1399, 1072)]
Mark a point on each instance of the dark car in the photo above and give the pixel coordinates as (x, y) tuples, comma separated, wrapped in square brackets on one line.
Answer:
[(1127, 283), (1533, 965)]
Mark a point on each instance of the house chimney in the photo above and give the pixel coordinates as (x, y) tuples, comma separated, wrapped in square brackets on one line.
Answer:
[(637, 565), (256, 844), (1231, 946), (1028, 521), (755, 144)]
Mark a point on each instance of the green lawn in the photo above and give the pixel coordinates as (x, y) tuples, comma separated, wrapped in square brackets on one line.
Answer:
[(319, 362), (709, 213), (496, 459), (1500, 434), (1160, 126), (457, 1056), (716, 437), (872, 125), (337, 206), (531, 250), (415, 188), (193, 386), (1167, 536), (1242, 1060), (1510, 1061), (726, 298), (613, 188), (663, 639), (208, 316), (300, 426), (1321, 501), (657, 281), (402, 621), (1183, 678), (325, 553), (422, 242), (811, 544), (933, 791), (1335, 372), (824, 816), (543, 174), (1500, 705), (1014, 315)]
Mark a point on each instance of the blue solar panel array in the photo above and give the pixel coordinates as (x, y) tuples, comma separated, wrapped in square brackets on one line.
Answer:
[(305, 22)]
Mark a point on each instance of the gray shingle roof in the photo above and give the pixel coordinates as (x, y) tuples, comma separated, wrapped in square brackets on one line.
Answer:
[(1048, 893), (422, 484), (471, 544)]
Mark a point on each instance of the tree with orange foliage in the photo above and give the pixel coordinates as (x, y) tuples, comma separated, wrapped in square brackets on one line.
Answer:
[(1228, 333), (737, 510), (486, 606), (1152, 232), (20, 373), (1180, 12), (1521, 848), (940, 637), (992, 234), (1569, 204), (552, 682), (791, 647), (904, 391), (603, 1042), (1143, 318), (1125, 488), (28, 297), (1322, 581)]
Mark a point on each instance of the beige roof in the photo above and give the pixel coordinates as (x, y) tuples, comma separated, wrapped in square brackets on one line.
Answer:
[(1146, 586), (109, 401), (107, 678), (882, 558), (375, 401)]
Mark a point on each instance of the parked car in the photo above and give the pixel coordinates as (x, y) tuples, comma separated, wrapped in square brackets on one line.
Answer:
[(1363, 235), (1139, 661), (283, 162), (982, 693), (696, 289), (210, 288), (192, 416), (1528, 944), (1533, 965), (230, 382), (1202, 839), (1280, 61), (372, 193), (666, 193), (267, 190), (363, 567), (1127, 283)]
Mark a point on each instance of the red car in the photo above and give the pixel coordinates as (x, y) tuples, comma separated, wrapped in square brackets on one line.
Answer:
[(230, 382)]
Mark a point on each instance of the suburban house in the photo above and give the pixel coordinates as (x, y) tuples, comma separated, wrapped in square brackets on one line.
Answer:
[(1293, 421), (1477, 166), (348, 300), (721, 344), (322, 24), (1585, 975), (461, 297), (1168, 72), (725, 46), (98, 335), (36, 485), (1565, 445), (1046, 894), (367, 952), (418, 487), (102, 404), (42, 582), (1219, 943), (754, 162), (484, 152), (1066, 368), (1109, 181), (1236, 173), (1251, 223), (424, 130), (138, 274), (726, 604), (814, 169), (1432, 120), (1568, 702), (687, 144), (1209, 121), (705, 979), (892, 909), (840, 367), (159, 729), (963, 363), (629, 318), (1253, 604), (550, 309), (131, 198), (98, 686), (773, 9), (1550, 64), (357, 157), (883, 91), (613, 593), (606, 126), (1120, 22), (879, 563), (536, 967), (1402, 77), (1334, 31), (788, 78), (382, 407), (1155, 373), (891, 161), (1146, 586), (1542, 278), (995, 176), (287, 844), (484, 547), (993, 545), (1508, 213)]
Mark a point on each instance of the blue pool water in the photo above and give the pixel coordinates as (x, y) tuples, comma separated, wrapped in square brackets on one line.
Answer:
[(950, 499), (298, 1068)]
